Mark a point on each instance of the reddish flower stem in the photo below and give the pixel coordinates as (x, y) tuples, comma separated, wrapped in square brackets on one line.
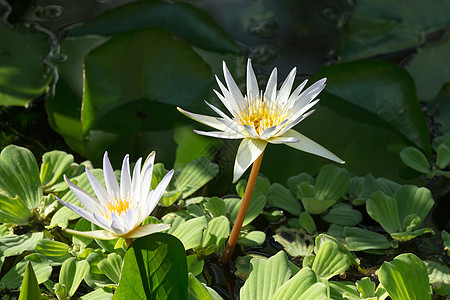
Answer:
[(232, 240), (128, 241)]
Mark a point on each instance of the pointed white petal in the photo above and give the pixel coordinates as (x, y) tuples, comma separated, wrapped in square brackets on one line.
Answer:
[(125, 178), (227, 104), (146, 176), (83, 213), (131, 219), (218, 111), (106, 224), (251, 131), (229, 100), (308, 145), (154, 197), (310, 93), (252, 83), (117, 225), (136, 179), (282, 140), (249, 150), (220, 134), (207, 120), (271, 88), (98, 188), (268, 132), (146, 230), (233, 88), (95, 234), (286, 87), (297, 91), (90, 203), (110, 179)]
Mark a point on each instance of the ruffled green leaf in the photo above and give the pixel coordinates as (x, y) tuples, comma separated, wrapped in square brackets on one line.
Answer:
[(415, 159), (252, 239), (330, 260), (111, 266), (359, 239), (281, 197), (13, 279), (344, 215), (54, 165), (295, 242), (72, 273), (56, 252), (16, 244), (189, 232), (405, 277)]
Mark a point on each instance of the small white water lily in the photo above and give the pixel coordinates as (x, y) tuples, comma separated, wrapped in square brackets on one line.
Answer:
[(120, 210), (260, 118)]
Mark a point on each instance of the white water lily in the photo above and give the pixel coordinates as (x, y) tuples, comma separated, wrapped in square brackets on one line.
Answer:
[(120, 210), (260, 118)]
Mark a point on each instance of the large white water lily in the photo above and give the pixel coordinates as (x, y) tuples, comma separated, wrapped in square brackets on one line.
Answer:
[(260, 118), (120, 209)]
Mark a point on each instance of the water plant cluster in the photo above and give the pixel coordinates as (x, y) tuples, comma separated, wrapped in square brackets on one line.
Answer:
[(110, 77)]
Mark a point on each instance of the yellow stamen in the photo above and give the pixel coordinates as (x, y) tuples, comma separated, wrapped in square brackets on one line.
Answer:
[(117, 206), (261, 114)]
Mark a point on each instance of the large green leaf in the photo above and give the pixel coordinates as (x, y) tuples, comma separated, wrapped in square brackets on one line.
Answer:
[(154, 268), (377, 93), (384, 27), (162, 72), (30, 287), (64, 108), (186, 21), (405, 277), (266, 276), (23, 73), (430, 60), (19, 175), (304, 285)]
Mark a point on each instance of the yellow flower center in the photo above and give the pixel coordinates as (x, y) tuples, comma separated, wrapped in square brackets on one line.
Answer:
[(261, 114), (118, 206)]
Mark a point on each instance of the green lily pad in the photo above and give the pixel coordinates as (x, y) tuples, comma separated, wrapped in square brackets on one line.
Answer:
[(183, 19), (163, 72), (383, 27), (23, 73)]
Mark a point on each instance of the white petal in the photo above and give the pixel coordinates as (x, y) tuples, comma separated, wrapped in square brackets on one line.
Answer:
[(297, 91), (308, 145), (251, 131), (117, 225), (83, 213), (106, 224), (90, 203), (220, 134), (218, 111), (95, 234), (136, 180), (154, 197), (286, 87), (282, 140), (310, 93), (232, 126), (226, 103), (131, 219), (207, 120), (271, 88), (233, 88), (229, 100), (268, 132), (146, 176), (98, 188), (249, 150), (110, 179), (146, 230), (125, 178), (252, 83)]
